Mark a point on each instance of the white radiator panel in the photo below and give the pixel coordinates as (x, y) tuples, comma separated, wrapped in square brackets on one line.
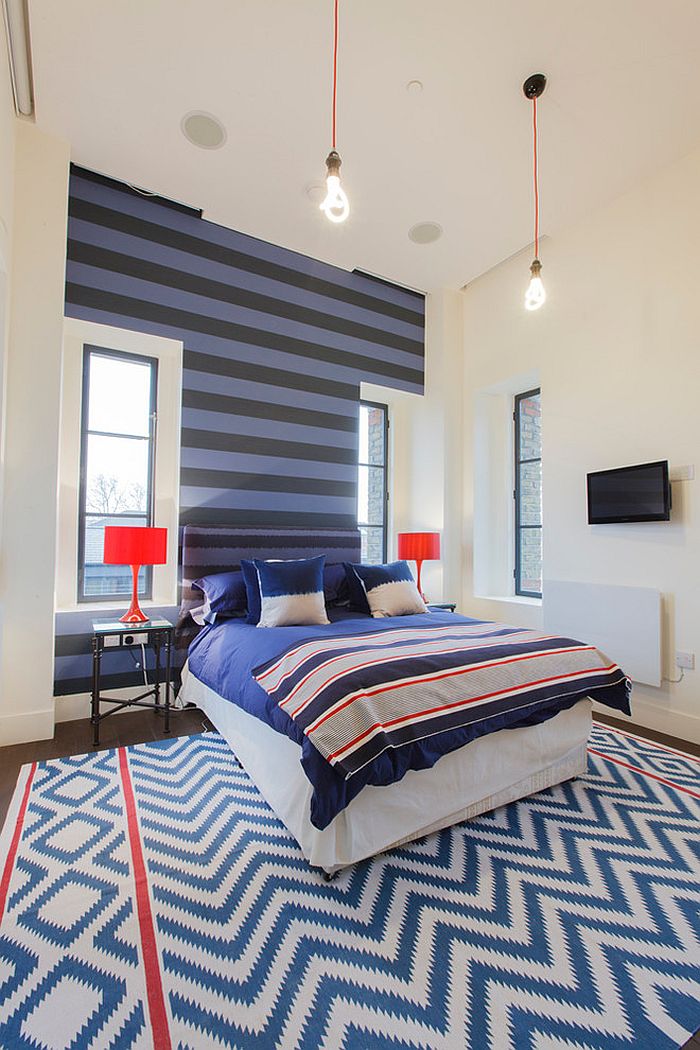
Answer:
[(624, 622)]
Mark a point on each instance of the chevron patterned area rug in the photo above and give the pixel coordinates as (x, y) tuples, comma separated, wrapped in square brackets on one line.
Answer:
[(150, 898)]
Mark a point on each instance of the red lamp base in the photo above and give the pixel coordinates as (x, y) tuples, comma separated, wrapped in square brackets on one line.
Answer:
[(419, 566), (134, 613)]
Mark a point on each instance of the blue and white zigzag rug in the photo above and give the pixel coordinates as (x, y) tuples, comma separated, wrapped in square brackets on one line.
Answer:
[(150, 898)]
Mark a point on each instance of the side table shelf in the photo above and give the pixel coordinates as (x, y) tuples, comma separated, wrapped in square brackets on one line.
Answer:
[(115, 636)]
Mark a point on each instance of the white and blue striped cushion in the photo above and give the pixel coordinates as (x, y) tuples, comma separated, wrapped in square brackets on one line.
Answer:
[(390, 589), (291, 592)]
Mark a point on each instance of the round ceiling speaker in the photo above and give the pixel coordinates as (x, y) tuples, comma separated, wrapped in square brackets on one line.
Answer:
[(425, 232), (315, 192), (203, 130)]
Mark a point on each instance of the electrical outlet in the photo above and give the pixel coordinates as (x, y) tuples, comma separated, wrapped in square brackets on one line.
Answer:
[(136, 639), (686, 661)]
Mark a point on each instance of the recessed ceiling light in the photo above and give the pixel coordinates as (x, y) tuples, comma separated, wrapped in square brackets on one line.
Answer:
[(203, 130), (414, 87), (425, 232)]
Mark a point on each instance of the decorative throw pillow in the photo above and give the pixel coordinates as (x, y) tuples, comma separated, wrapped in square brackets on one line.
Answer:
[(356, 590), (390, 589), (291, 592), (224, 596), (335, 585), (252, 590)]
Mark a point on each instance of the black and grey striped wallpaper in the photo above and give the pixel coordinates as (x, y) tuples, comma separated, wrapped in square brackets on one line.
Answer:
[(275, 347)]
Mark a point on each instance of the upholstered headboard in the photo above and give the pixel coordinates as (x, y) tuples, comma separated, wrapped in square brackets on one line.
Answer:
[(208, 549)]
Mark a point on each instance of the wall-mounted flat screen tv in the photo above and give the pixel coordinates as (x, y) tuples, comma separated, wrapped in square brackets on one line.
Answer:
[(639, 493)]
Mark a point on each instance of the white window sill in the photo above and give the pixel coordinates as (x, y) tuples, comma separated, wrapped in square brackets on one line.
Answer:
[(95, 607), (511, 599)]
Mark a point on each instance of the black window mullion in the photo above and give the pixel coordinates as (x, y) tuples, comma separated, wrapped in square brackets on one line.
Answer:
[(85, 432), (520, 527), (383, 467)]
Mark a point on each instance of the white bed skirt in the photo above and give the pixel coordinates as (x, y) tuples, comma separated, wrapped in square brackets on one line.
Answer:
[(487, 773)]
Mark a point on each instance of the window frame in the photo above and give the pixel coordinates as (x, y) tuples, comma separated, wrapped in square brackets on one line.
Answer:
[(365, 403), (518, 462), (90, 349)]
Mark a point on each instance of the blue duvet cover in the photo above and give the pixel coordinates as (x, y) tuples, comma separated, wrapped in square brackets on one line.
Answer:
[(368, 699)]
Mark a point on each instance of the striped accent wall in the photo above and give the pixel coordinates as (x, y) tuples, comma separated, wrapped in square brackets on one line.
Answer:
[(275, 347)]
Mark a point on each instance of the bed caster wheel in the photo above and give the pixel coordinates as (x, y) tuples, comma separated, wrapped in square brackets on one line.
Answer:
[(330, 876)]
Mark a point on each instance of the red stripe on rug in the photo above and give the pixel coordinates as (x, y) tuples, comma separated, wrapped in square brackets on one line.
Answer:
[(151, 961), (647, 740), (14, 843), (645, 772)]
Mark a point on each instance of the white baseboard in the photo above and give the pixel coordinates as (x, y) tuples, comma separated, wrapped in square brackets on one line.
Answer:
[(680, 724), (26, 727)]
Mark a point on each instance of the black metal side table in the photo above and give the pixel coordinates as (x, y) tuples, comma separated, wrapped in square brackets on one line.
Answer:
[(115, 636), (447, 606)]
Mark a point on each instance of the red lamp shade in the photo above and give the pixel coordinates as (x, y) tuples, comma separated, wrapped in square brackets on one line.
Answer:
[(419, 547), (135, 546)]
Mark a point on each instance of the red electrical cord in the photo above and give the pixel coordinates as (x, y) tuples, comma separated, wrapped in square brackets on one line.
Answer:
[(335, 65), (536, 179)]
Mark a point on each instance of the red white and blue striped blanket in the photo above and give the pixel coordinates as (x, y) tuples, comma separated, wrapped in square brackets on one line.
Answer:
[(356, 697)]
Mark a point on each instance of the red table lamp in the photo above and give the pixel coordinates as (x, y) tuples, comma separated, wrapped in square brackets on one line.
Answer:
[(135, 546), (419, 547)]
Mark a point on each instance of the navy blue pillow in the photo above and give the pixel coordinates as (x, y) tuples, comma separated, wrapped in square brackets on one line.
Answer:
[(291, 592), (252, 590), (356, 592), (224, 595), (390, 590), (335, 585), (335, 588), (375, 575)]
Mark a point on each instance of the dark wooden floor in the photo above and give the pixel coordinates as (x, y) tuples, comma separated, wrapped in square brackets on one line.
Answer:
[(138, 727), (650, 734)]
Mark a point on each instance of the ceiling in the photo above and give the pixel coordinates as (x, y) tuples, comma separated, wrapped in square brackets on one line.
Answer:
[(622, 100)]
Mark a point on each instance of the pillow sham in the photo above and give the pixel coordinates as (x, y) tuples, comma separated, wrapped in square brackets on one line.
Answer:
[(224, 596), (291, 592), (357, 599), (390, 589), (252, 590), (335, 585)]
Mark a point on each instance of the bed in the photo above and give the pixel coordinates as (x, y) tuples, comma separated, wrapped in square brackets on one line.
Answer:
[(290, 701)]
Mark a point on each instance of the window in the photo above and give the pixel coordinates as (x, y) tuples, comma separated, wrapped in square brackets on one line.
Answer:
[(372, 490), (117, 456), (528, 494)]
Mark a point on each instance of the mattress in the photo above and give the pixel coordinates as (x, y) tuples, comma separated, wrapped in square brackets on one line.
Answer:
[(368, 700), (488, 772)]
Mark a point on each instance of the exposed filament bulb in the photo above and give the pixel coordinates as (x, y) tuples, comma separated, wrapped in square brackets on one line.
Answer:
[(336, 205), (535, 295)]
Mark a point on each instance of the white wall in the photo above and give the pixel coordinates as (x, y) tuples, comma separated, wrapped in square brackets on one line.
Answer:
[(33, 387), (7, 182), (425, 441), (617, 351)]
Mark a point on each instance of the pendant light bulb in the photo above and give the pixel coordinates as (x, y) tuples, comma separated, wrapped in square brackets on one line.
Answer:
[(336, 205), (535, 296)]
